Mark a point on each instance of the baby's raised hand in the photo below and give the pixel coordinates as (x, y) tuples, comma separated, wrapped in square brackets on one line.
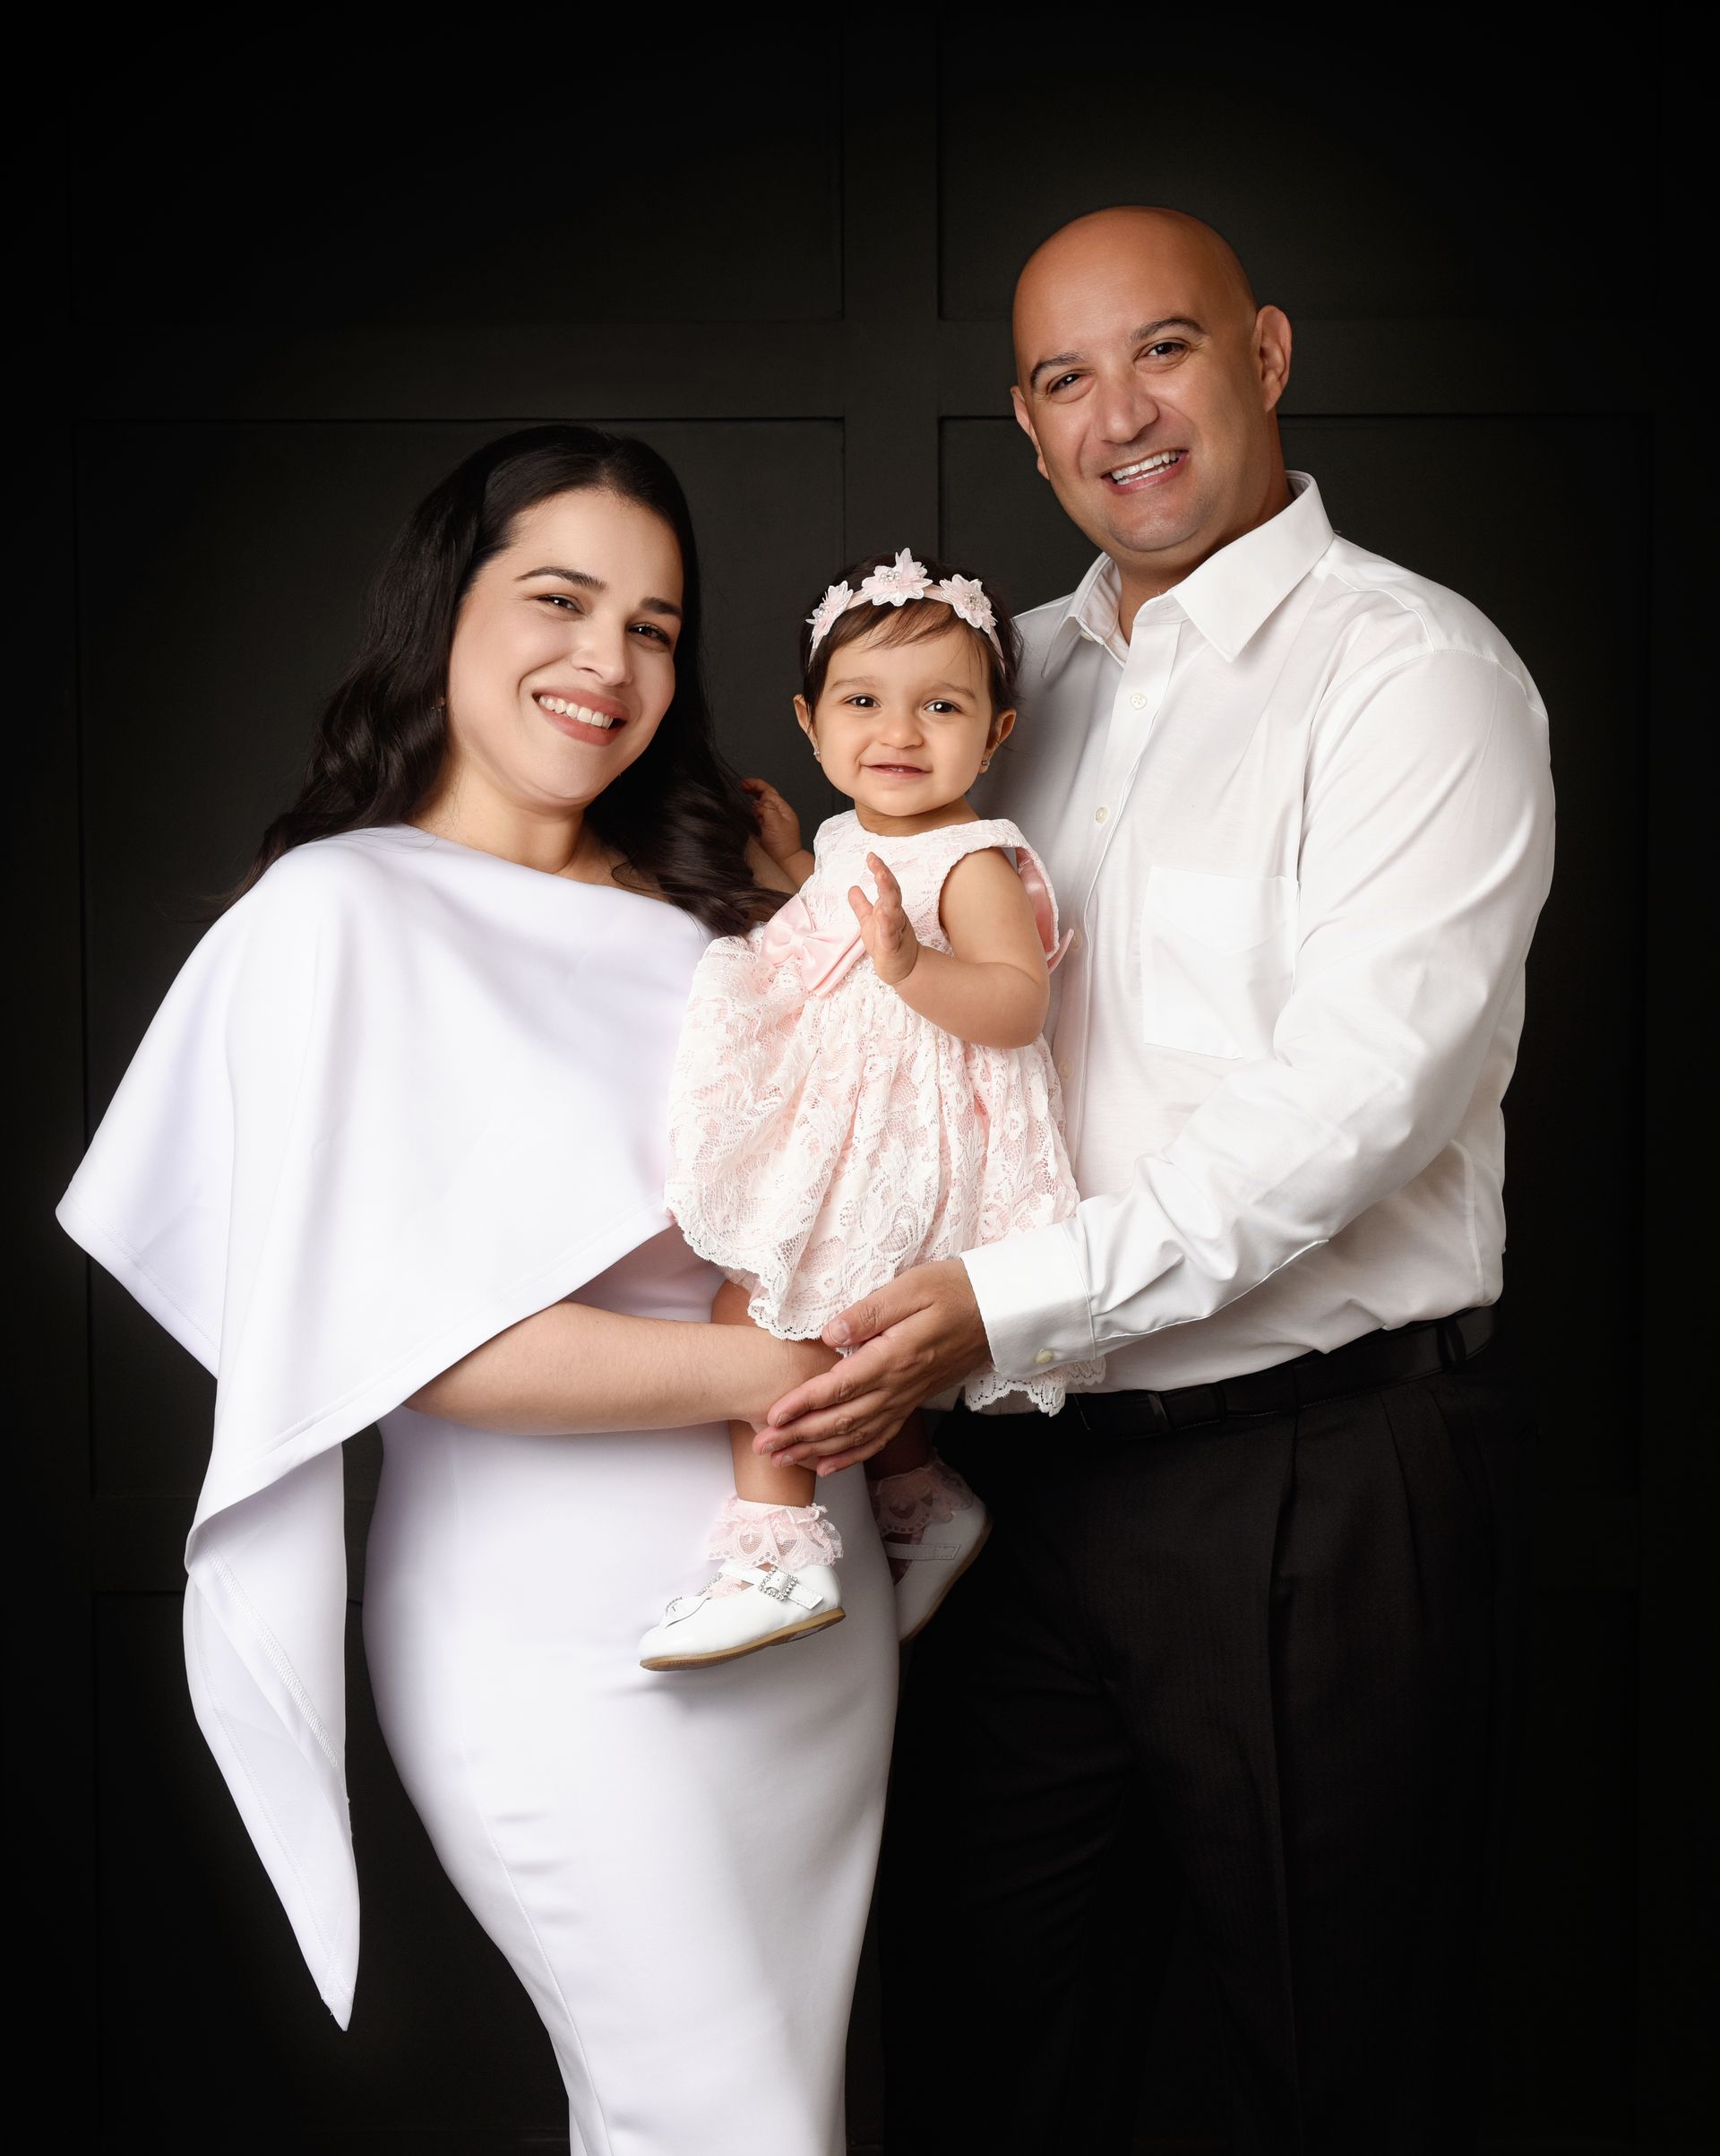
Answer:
[(778, 826), (885, 930)]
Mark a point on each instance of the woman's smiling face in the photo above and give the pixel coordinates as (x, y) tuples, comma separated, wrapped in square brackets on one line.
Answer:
[(903, 728), (562, 662)]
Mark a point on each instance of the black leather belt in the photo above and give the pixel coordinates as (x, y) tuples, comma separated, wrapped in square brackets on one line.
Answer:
[(1362, 1366)]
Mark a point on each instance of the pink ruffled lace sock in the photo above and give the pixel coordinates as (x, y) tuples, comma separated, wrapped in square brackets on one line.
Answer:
[(787, 1537), (905, 1506)]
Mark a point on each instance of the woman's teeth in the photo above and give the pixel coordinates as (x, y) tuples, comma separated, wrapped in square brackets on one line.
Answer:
[(1147, 464), (582, 712)]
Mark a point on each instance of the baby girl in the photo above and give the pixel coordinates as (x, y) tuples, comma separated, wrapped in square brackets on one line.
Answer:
[(862, 1085)]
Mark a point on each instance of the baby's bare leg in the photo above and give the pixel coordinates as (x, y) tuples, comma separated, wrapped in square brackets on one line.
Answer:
[(757, 1477), (909, 1448)]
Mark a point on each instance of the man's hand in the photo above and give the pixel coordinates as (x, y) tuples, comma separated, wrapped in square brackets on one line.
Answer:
[(891, 945), (916, 1336)]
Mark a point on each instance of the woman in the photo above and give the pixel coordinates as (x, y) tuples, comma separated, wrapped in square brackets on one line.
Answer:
[(392, 1150)]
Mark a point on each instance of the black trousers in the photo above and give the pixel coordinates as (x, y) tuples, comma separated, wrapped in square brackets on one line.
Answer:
[(1269, 1665)]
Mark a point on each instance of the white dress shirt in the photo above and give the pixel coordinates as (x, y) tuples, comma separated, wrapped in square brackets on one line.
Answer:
[(1300, 821)]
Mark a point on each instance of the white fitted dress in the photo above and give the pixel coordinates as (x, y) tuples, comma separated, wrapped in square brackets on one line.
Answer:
[(678, 1868), (402, 1096)]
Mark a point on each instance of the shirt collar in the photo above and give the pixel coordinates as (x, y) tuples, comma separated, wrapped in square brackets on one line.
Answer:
[(1227, 598)]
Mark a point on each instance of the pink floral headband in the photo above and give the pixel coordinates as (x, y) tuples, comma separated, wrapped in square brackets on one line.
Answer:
[(905, 579)]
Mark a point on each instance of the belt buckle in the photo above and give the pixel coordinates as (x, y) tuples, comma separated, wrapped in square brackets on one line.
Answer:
[(1086, 1408)]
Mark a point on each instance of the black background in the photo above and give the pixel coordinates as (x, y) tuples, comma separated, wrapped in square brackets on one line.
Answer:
[(280, 298)]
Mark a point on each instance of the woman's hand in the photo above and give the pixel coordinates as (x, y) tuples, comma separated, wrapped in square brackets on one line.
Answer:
[(885, 930), (778, 826)]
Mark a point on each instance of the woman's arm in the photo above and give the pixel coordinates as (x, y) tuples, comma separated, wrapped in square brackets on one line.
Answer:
[(572, 1368), (992, 987)]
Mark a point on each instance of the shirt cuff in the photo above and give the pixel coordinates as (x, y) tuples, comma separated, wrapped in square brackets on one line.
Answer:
[(1033, 1299)]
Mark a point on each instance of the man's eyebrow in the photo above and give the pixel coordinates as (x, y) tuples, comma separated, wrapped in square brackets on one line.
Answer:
[(584, 579), (1056, 359), (1147, 329), (1167, 321)]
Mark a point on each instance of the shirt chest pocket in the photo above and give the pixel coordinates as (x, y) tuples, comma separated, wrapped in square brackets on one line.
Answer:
[(1217, 960)]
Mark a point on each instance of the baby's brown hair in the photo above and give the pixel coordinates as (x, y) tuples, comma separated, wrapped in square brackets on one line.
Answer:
[(914, 619)]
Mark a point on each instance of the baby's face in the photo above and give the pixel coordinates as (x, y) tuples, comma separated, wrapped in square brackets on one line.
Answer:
[(903, 728)]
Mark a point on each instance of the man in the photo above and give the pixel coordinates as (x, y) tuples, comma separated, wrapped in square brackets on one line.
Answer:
[(1246, 1623)]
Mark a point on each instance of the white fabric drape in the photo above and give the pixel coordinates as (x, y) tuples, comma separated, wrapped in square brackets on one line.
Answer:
[(402, 1095)]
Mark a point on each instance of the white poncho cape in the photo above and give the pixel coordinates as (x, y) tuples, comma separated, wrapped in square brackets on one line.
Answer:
[(402, 1095)]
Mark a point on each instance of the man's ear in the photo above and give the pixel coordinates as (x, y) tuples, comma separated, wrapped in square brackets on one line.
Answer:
[(1272, 343), (1025, 424)]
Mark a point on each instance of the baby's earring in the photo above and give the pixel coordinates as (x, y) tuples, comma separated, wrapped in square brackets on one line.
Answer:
[(816, 757)]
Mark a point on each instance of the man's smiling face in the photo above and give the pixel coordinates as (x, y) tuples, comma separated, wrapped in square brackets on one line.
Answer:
[(1147, 381)]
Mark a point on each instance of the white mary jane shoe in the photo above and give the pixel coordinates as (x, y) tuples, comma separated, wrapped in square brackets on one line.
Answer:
[(775, 1606), (934, 1563)]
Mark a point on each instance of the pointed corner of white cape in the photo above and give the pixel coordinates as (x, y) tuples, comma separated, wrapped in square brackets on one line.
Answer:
[(256, 1039)]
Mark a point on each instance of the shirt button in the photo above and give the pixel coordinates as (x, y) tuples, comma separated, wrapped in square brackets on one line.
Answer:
[(1074, 942), (1099, 814), (1139, 701), (1062, 1069), (1043, 1357)]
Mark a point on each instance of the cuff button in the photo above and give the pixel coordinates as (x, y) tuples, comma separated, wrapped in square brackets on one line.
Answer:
[(1043, 1357)]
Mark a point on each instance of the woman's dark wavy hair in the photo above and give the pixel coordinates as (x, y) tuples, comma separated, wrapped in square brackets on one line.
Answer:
[(675, 815)]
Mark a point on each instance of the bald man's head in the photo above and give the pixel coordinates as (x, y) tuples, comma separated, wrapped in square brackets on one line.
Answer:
[(1148, 378), (1095, 244)]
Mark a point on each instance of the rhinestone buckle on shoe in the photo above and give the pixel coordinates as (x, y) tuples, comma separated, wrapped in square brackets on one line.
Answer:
[(779, 1586)]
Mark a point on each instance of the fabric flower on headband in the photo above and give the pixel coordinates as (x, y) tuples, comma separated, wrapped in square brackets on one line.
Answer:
[(823, 617), (967, 596), (894, 586)]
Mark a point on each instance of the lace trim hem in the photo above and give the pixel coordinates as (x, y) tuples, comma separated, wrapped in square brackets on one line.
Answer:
[(1047, 1393), (705, 1243)]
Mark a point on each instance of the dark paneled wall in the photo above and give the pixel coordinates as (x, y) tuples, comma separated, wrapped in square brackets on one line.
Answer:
[(789, 268)]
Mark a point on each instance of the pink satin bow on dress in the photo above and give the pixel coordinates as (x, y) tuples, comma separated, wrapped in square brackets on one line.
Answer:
[(1044, 912), (820, 956)]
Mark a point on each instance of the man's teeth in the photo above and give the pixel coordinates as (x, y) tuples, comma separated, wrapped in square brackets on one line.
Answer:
[(582, 712), (1133, 471)]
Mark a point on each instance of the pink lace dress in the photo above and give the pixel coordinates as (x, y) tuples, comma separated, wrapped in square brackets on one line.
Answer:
[(823, 1137)]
